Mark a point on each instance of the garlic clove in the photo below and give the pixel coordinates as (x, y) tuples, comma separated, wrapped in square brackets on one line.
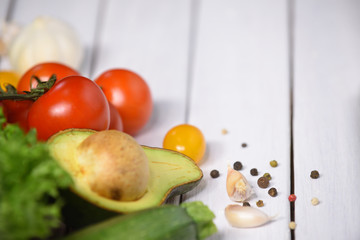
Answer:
[(237, 187), (245, 217)]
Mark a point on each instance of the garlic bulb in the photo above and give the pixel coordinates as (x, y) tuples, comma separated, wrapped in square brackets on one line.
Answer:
[(45, 40), (245, 217), (9, 30), (237, 186)]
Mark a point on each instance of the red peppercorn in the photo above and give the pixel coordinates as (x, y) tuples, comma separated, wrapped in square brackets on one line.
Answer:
[(292, 198)]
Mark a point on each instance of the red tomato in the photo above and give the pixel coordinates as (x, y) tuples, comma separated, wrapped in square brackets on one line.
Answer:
[(131, 96), (74, 102), (44, 72), (17, 112), (115, 119)]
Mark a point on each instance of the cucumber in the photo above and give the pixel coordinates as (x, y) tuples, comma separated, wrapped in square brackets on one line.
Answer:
[(191, 221)]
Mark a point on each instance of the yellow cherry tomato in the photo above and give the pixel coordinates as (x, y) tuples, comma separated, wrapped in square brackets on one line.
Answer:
[(186, 139), (8, 77)]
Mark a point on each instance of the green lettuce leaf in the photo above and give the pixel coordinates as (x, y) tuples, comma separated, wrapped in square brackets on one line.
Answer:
[(30, 206)]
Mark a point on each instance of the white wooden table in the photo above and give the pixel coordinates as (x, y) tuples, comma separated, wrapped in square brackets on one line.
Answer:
[(281, 76)]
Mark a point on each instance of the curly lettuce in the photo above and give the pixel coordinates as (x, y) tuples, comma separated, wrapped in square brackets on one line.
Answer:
[(30, 205)]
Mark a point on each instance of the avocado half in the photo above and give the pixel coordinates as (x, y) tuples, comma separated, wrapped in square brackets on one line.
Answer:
[(171, 173)]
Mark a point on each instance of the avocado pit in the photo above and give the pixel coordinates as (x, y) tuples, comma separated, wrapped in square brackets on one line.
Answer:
[(114, 165)]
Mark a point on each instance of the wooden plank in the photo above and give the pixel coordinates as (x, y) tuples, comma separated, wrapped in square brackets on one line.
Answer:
[(4, 7), (81, 15), (151, 39), (240, 83), (327, 117)]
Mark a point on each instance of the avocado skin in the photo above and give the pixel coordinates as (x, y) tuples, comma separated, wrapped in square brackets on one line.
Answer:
[(78, 213)]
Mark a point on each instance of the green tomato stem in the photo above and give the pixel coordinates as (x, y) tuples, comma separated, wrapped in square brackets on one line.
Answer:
[(42, 87)]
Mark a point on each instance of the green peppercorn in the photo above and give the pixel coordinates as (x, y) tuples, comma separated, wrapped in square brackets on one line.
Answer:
[(273, 163), (314, 174), (214, 173), (254, 172), (260, 203), (267, 175), (238, 165), (246, 204), (263, 182), (272, 192)]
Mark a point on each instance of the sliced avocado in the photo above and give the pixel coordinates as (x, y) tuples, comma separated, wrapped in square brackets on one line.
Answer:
[(171, 173)]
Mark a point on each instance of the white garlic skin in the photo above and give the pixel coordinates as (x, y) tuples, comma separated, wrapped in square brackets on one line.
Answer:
[(9, 31), (45, 40), (245, 217), (237, 187)]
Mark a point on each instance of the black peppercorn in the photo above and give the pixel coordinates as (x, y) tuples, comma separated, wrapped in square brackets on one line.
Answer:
[(314, 174), (214, 173), (254, 172), (244, 145), (263, 182), (246, 204), (238, 165), (272, 192)]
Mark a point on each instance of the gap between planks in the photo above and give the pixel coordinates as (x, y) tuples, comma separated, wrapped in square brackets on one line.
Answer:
[(102, 6), (193, 27), (291, 26)]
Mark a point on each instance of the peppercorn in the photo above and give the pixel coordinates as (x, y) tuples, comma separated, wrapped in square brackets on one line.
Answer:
[(246, 204), (292, 198), (273, 163), (272, 192), (260, 203), (314, 201), (254, 172), (263, 182), (238, 165), (292, 225), (214, 173), (314, 174), (244, 145), (267, 175)]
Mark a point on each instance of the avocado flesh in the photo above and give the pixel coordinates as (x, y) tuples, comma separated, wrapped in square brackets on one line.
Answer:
[(171, 173)]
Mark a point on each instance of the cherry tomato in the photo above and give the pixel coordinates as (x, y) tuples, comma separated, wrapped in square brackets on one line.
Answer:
[(8, 77), (115, 119), (186, 139), (17, 112), (44, 71), (73, 102), (131, 96)]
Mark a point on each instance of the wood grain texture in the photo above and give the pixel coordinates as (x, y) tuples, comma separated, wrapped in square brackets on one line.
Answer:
[(80, 14), (327, 118), (4, 6), (151, 39), (240, 83), (226, 67)]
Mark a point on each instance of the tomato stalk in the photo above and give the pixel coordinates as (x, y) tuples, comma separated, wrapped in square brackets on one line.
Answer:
[(34, 93)]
